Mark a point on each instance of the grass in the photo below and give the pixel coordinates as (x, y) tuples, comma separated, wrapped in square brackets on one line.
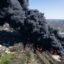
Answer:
[(27, 57), (47, 59), (52, 60), (5, 58)]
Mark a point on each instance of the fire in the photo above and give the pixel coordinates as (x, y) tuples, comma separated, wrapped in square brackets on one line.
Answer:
[(40, 49)]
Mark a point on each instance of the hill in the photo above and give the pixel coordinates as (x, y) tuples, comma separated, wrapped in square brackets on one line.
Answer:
[(56, 23)]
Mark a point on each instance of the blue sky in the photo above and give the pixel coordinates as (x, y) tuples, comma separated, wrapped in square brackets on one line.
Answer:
[(53, 9)]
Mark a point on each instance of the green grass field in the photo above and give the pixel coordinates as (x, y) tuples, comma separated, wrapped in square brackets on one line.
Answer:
[(5, 58)]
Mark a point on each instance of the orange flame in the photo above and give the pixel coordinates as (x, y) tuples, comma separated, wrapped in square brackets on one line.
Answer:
[(40, 49)]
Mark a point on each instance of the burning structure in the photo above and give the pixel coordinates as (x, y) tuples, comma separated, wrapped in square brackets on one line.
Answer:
[(31, 24)]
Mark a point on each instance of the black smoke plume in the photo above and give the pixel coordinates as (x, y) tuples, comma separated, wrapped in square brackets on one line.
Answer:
[(30, 24)]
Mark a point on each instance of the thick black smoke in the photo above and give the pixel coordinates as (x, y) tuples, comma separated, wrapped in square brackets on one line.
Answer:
[(31, 24)]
